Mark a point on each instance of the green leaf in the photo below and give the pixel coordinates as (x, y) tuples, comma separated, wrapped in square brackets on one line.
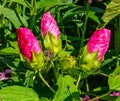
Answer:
[(117, 99), (46, 3), (18, 93), (10, 14), (66, 1), (9, 51), (93, 17), (29, 78), (43, 99), (67, 91), (112, 10), (105, 62), (22, 2), (114, 79), (24, 22)]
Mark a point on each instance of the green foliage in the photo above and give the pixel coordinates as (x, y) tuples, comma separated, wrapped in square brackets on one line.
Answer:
[(112, 10), (60, 77), (10, 14), (113, 81), (18, 93), (67, 90)]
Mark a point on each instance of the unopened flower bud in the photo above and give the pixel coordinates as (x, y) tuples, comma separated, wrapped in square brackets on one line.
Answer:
[(50, 33), (92, 54), (29, 46)]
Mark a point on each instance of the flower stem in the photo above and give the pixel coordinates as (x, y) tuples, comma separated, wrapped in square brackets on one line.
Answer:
[(42, 78), (87, 85), (98, 97), (85, 24), (79, 78)]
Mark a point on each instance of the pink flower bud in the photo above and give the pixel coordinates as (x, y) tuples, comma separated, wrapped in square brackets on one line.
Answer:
[(99, 41), (27, 43), (48, 24), (90, 1)]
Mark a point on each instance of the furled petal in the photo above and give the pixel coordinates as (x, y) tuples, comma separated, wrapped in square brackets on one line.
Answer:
[(99, 41), (27, 43), (48, 24)]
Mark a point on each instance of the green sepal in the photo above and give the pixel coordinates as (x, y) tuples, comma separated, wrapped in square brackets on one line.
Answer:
[(22, 58), (38, 61), (88, 61), (52, 44)]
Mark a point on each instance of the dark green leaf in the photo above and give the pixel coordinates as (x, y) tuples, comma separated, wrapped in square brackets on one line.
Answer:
[(22, 2)]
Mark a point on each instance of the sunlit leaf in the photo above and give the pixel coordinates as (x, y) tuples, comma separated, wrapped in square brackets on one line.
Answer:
[(112, 10), (10, 14), (18, 93), (114, 80), (67, 90)]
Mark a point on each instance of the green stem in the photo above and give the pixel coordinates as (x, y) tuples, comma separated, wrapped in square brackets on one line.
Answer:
[(98, 97), (85, 24), (55, 71), (4, 3), (87, 85), (117, 35), (118, 61), (78, 31), (79, 78), (42, 78), (117, 39), (31, 14)]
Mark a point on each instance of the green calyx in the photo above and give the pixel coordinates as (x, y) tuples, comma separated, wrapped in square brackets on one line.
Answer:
[(88, 61), (37, 62), (52, 44)]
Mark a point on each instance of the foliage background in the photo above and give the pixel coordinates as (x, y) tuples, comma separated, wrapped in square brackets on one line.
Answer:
[(77, 20)]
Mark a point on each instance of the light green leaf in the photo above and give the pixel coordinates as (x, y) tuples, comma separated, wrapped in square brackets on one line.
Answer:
[(112, 10), (117, 99), (18, 93), (43, 99), (10, 14), (67, 91), (9, 51), (114, 79)]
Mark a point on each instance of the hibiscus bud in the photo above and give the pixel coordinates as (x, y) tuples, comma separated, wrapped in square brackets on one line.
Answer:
[(99, 41), (50, 33), (48, 24), (92, 54), (29, 46), (90, 1)]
